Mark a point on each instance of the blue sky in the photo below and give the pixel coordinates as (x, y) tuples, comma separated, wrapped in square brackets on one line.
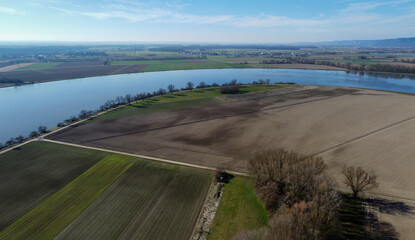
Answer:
[(213, 21)]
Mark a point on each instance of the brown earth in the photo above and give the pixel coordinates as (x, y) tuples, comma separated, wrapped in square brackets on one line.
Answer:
[(367, 128), (70, 71), (344, 125), (15, 66)]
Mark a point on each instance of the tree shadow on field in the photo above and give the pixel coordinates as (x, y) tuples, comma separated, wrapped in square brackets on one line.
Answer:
[(141, 106), (390, 207), (378, 229)]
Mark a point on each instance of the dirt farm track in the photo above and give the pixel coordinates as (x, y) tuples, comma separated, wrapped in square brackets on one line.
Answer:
[(372, 129)]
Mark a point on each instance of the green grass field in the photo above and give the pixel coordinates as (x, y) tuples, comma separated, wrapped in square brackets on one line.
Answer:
[(38, 66), (238, 210), (34, 172), (180, 100), (351, 219), (166, 65), (118, 197), (148, 202), (54, 214)]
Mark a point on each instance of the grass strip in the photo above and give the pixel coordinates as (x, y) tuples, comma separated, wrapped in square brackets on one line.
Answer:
[(38, 66), (238, 210), (54, 214), (351, 219), (180, 100)]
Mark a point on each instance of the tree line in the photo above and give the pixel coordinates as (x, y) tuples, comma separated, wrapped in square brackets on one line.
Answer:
[(19, 139), (377, 67)]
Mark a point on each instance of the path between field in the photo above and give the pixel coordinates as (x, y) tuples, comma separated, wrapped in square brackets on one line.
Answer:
[(407, 200), (142, 156)]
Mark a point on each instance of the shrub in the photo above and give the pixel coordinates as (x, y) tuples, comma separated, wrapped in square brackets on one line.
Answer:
[(223, 177), (229, 89), (42, 129), (33, 134)]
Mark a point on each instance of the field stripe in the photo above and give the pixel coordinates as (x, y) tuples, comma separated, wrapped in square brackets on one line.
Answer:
[(146, 157), (54, 214)]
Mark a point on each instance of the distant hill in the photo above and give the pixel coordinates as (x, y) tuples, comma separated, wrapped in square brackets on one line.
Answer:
[(384, 43)]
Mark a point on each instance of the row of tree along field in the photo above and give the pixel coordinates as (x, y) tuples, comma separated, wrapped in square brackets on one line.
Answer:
[(226, 88), (390, 68)]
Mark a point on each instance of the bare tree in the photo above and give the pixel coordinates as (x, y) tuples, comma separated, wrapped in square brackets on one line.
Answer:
[(202, 85), (129, 98), (190, 85), (358, 180), (19, 138), (83, 114), (161, 91), (10, 142), (33, 134), (42, 129), (171, 88), (286, 178)]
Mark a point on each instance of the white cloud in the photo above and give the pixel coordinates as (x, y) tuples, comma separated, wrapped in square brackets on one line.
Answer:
[(364, 6), (10, 10), (133, 11)]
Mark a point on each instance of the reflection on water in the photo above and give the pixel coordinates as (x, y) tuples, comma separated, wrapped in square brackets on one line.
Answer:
[(24, 108)]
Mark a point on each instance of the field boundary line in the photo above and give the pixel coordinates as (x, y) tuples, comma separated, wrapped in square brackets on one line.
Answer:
[(144, 157), (364, 135), (212, 184)]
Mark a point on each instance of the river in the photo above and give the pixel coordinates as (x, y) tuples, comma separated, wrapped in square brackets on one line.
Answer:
[(24, 108)]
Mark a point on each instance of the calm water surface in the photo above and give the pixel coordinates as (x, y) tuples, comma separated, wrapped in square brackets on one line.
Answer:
[(24, 108)]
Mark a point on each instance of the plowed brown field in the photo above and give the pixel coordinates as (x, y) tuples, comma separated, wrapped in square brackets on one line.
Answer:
[(373, 129)]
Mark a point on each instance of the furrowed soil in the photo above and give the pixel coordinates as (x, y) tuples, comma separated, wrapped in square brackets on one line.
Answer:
[(367, 128), (148, 202), (34, 172), (50, 217), (68, 71)]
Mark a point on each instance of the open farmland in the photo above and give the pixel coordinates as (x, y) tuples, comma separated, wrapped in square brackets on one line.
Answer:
[(120, 197), (147, 202), (52, 215), (38, 66), (15, 66), (34, 172), (367, 128), (226, 135), (167, 65), (184, 99), (68, 71)]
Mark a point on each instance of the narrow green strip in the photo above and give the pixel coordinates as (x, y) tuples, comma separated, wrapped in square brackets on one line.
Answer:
[(55, 213)]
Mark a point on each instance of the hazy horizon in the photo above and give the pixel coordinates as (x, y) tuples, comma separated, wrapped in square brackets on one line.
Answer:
[(267, 22)]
